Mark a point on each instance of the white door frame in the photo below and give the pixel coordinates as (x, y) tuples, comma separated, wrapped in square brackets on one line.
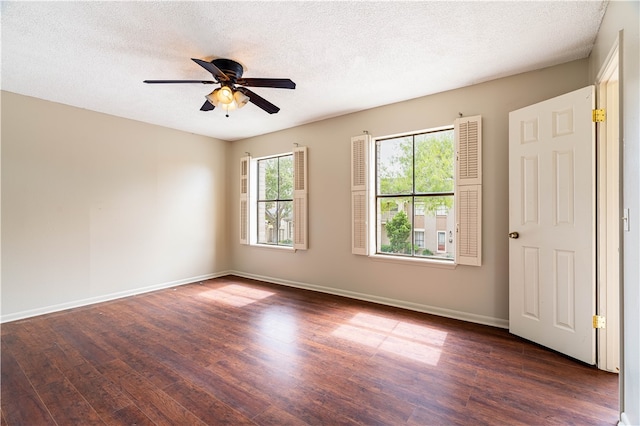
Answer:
[(609, 214)]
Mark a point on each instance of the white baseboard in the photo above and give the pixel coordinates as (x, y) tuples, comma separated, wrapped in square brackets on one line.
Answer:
[(448, 313), (105, 298)]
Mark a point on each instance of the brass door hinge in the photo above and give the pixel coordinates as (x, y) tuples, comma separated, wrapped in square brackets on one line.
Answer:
[(598, 115), (599, 321)]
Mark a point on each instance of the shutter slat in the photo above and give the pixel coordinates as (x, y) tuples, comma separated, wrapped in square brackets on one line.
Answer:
[(359, 227), (300, 199), (469, 169), (359, 162), (300, 166), (244, 199), (359, 195), (468, 135), (244, 228), (244, 175), (469, 213)]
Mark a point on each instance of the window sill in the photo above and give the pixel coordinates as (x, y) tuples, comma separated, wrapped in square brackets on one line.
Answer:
[(431, 263), (273, 247)]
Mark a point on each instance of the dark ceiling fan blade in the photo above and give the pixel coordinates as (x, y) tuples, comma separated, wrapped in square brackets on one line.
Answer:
[(207, 106), (179, 81), (217, 72), (278, 83), (259, 101)]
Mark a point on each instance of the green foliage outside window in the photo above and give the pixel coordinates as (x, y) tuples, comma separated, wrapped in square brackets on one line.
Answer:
[(433, 165), (399, 231)]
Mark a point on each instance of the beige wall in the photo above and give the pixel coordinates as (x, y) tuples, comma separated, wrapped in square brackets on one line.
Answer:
[(95, 206), (476, 293), (622, 21)]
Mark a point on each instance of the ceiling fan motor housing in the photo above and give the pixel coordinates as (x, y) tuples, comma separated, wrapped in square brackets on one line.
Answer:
[(231, 68)]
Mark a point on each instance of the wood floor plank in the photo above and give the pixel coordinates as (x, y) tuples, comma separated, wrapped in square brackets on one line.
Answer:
[(34, 363), (129, 415), (153, 402), (204, 405), (278, 380), (21, 405), (525, 398), (142, 362), (84, 343), (238, 351), (274, 416), (66, 404), (223, 389), (103, 395)]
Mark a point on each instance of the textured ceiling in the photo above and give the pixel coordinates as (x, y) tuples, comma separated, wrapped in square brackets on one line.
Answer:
[(343, 56)]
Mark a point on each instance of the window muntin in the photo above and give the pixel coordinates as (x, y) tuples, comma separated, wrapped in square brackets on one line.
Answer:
[(275, 200), (414, 195)]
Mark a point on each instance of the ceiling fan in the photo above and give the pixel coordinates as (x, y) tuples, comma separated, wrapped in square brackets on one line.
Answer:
[(232, 92)]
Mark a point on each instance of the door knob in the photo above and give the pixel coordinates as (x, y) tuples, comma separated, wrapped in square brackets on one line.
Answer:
[(514, 235)]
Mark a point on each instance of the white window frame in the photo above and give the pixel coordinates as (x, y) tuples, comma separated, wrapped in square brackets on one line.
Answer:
[(372, 182), (467, 196), (258, 201)]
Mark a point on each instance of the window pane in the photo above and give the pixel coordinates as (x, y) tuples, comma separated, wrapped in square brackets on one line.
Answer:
[(434, 162), (286, 177), (285, 224), (267, 222), (268, 179), (394, 166), (437, 221), (394, 225)]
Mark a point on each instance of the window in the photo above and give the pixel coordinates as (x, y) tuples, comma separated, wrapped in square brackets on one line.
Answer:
[(442, 242), (275, 200), (419, 195), (415, 191)]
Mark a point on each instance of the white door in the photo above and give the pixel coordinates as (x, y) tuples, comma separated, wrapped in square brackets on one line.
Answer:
[(552, 223)]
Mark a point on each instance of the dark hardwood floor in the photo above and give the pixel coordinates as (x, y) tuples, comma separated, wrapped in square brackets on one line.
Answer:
[(241, 352)]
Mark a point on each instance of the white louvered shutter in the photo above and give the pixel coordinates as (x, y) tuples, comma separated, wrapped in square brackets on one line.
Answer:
[(359, 195), (468, 139), (468, 150), (245, 162), (300, 198)]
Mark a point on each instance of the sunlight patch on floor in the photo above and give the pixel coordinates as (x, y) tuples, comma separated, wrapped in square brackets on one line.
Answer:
[(236, 295), (279, 325), (416, 342)]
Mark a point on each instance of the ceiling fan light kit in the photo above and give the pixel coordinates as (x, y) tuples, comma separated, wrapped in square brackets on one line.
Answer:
[(232, 93)]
